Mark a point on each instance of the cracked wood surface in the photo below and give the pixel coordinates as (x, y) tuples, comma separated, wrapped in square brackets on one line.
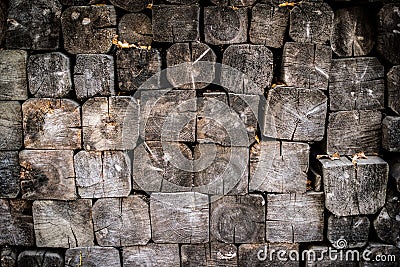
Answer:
[(136, 29), (391, 134), (388, 39), (214, 254), (92, 257), (393, 83), (13, 82), (353, 229), (10, 125), (151, 255), (9, 174)]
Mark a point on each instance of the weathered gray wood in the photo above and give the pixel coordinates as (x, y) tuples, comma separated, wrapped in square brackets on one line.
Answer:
[(8, 257), (136, 66), (354, 191), (131, 5), (318, 256), (92, 257), (63, 224), (13, 82), (391, 134), (279, 167), (238, 219), (354, 230), (190, 215), (306, 65), (190, 75), (136, 28), (151, 255), (265, 255), (49, 75), (234, 3), (225, 25), (209, 255), (387, 255), (16, 223), (350, 132), (110, 123), (33, 25), (47, 174), (356, 83), (51, 123), (9, 174), (250, 69), (79, 2), (88, 29), (10, 125), (295, 114), (122, 221), (315, 180), (353, 32), (40, 258), (102, 174), (388, 40), (172, 23), (311, 22), (294, 218), (268, 25), (94, 76), (393, 82)]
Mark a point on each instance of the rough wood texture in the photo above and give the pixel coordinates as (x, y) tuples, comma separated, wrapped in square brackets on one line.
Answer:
[(47, 174), (376, 251), (209, 255), (354, 230), (393, 83), (9, 174), (92, 257), (225, 25), (238, 219), (131, 5), (249, 253), (350, 132), (110, 123), (136, 29), (391, 134), (79, 2), (40, 258), (316, 180), (49, 75), (16, 223), (94, 76), (3, 20), (318, 255), (311, 22), (8, 257), (295, 114), (102, 174), (33, 25), (306, 65), (51, 124), (10, 125), (63, 224), (121, 221), (190, 215), (351, 190), (353, 32), (88, 29), (295, 218), (250, 69), (136, 66), (151, 255), (190, 75), (234, 3), (279, 167), (388, 40), (268, 25), (394, 171), (356, 83), (173, 23), (13, 83)]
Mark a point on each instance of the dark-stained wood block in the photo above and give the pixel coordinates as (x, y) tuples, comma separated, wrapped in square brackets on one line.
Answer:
[(190, 65), (110, 123), (353, 32), (33, 25), (356, 83), (102, 174), (3, 25), (225, 25), (138, 68), (388, 40), (279, 167), (16, 223), (13, 82), (295, 114), (247, 69), (10, 125), (79, 2), (88, 29), (387, 255), (306, 65), (51, 123), (394, 171), (294, 218), (92, 257), (393, 82), (209, 255), (350, 132), (136, 28), (391, 134), (151, 255), (131, 5), (122, 221), (40, 258), (318, 256), (351, 190), (94, 76), (9, 174), (49, 75), (190, 213), (8, 257), (234, 3), (63, 224), (47, 174), (354, 230), (172, 23), (311, 22), (262, 255)]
